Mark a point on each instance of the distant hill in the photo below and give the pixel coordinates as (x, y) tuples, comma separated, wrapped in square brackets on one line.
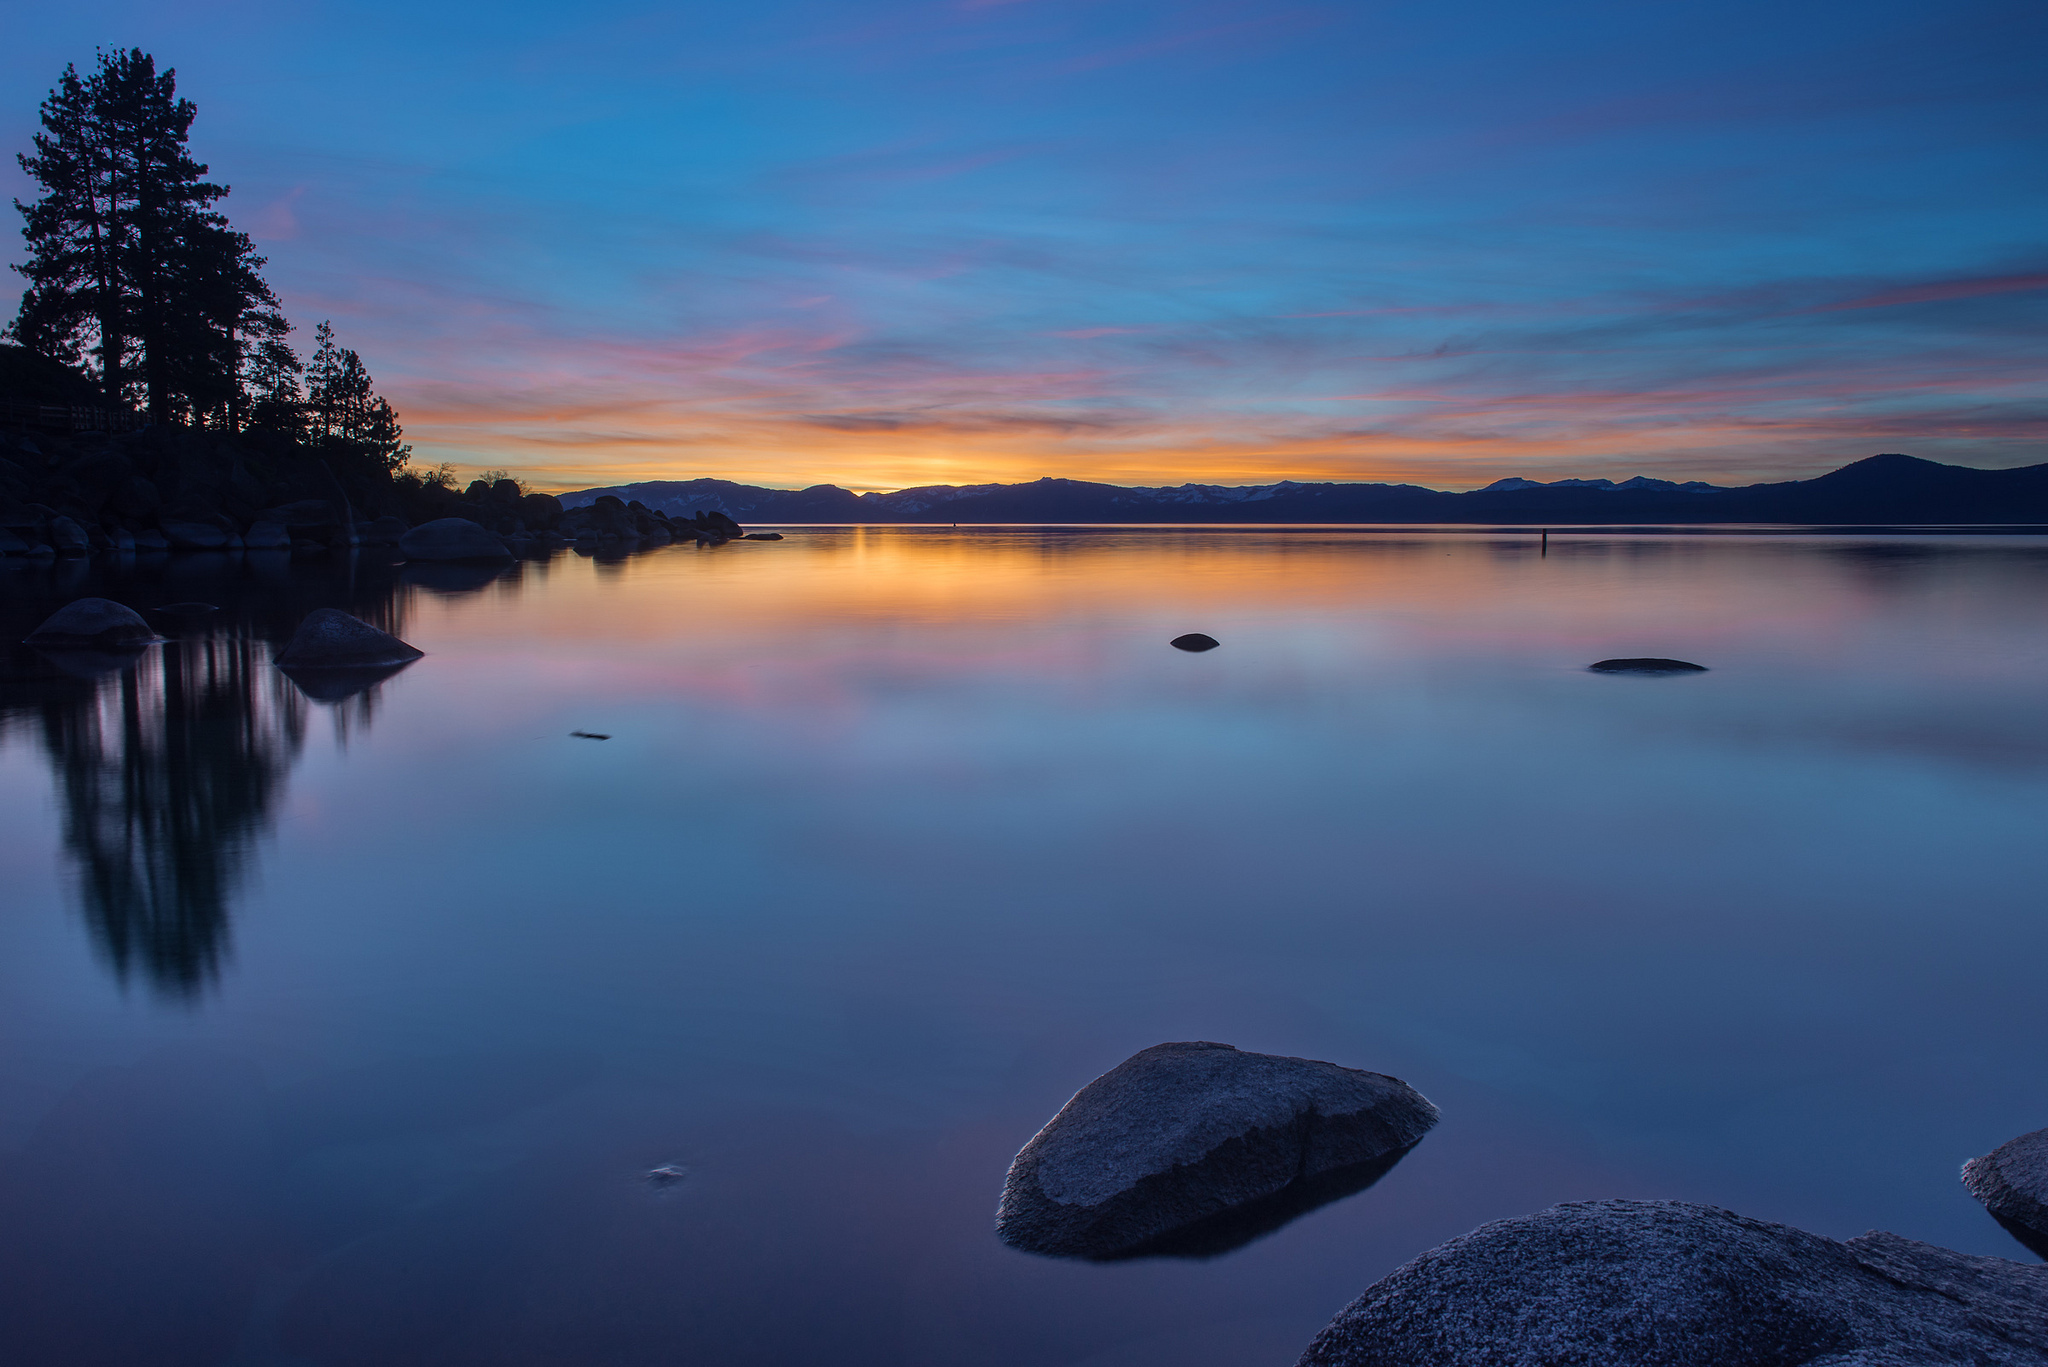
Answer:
[(1882, 490)]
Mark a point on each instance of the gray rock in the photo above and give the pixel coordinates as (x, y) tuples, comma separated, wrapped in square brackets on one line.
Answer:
[(1196, 641), (331, 639), (92, 623), (762, 536), (267, 536), (2012, 1182), (10, 544), (1646, 665), (452, 538), (1669, 1284), (386, 530), (1195, 1148), (147, 540), (194, 536)]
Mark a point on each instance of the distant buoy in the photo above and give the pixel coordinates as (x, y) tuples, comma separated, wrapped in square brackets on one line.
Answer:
[(1195, 640)]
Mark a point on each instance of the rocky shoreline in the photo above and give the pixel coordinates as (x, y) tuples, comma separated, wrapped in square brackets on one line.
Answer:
[(172, 489)]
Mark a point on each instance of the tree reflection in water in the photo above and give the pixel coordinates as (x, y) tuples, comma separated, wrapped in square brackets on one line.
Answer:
[(168, 767), (167, 774)]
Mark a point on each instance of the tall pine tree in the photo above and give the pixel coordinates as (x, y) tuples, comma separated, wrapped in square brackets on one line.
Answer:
[(129, 263)]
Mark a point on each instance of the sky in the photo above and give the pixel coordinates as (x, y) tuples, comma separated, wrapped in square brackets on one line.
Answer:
[(882, 244)]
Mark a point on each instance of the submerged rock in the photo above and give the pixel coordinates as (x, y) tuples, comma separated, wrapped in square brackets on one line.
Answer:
[(1648, 665), (92, 623), (267, 536), (2012, 1182), (1195, 1148), (331, 639), (195, 536), (452, 538), (1194, 640), (762, 536), (1670, 1284)]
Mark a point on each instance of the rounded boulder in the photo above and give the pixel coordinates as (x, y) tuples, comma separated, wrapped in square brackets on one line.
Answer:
[(1646, 665), (1179, 1138), (452, 538), (331, 639), (93, 623), (1195, 641)]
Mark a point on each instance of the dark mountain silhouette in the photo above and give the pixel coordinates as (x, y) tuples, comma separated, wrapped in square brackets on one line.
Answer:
[(1885, 490)]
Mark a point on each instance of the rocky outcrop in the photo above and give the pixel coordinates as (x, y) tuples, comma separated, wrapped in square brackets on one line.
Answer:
[(2012, 1182), (331, 639), (1669, 1284), (452, 538), (1195, 641), (1646, 665), (1194, 1148), (92, 624)]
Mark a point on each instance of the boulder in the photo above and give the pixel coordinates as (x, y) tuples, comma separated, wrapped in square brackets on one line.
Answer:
[(386, 530), (10, 544), (2012, 1182), (267, 536), (762, 536), (331, 639), (1670, 1284), (92, 623), (452, 538), (194, 536), (147, 540), (1194, 640), (1195, 1148), (68, 537), (1649, 665)]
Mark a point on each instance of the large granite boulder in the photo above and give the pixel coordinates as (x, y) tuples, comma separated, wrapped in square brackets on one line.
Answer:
[(267, 536), (194, 536), (452, 538), (2012, 1182), (331, 639), (68, 537), (92, 624), (1195, 1148), (1669, 1284)]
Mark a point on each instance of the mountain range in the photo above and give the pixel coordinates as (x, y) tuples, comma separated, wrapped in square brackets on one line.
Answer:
[(1881, 490)]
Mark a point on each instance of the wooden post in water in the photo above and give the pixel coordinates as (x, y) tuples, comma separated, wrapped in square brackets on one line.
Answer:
[(1546, 543)]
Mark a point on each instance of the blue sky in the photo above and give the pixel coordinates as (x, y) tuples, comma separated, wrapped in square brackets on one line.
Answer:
[(885, 244)]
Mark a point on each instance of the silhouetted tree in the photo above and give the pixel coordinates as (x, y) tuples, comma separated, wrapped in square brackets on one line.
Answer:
[(347, 414), (129, 264)]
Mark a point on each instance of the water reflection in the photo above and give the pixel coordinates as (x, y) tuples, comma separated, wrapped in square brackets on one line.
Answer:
[(169, 762)]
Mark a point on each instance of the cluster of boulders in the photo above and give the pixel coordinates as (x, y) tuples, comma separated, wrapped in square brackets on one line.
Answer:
[(1191, 1149), (178, 489), (331, 656)]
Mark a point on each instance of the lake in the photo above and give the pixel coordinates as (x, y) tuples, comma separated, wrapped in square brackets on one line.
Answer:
[(346, 1031)]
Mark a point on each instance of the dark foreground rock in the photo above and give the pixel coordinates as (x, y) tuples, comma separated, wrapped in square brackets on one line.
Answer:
[(2012, 1182), (331, 639), (1668, 1284), (92, 623), (452, 538), (1192, 1149), (1647, 666), (1194, 640)]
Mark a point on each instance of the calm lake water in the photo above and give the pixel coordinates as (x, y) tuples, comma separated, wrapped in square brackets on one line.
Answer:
[(344, 1032)]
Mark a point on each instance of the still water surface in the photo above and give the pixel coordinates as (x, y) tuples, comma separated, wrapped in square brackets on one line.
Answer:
[(344, 1032)]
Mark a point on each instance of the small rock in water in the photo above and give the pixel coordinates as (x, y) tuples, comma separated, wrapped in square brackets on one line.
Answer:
[(762, 536), (1194, 640), (2012, 1182), (92, 622), (667, 1175), (1637, 1283), (1192, 1149), (590, 735), (331, 639), (1646, 666)]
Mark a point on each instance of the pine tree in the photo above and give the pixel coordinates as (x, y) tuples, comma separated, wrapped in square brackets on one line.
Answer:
[(128, 261), (347, 414)]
